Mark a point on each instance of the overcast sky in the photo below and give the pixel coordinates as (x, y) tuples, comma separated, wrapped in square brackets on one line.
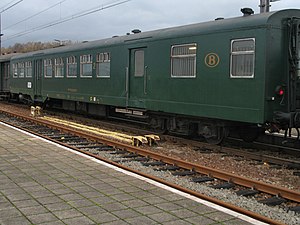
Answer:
[(142, 14)]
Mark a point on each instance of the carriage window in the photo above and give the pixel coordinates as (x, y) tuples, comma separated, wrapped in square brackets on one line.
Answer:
[(21, 69), (71, 66), (28, 69), (15, 70), (59, 67), (86, 66), (48, 69), (103, 64), (183, 60), (139, 63), (242, 58)]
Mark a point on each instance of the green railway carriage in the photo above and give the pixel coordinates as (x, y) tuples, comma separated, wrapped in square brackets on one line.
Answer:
[(4, 75), (200, 78)]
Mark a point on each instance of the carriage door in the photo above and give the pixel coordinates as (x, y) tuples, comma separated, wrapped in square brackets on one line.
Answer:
[(6, 77), (2, 72), (294, 82), (38, 77), (297, 82), (137, 80)]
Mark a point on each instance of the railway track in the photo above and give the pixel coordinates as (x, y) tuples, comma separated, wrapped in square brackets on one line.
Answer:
[(121, 153), (277, 152), (237, 149)]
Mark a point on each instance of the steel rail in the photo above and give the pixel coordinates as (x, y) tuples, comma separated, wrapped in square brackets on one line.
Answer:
[(239, 180), (188, 191), (144, 153), (243, 153), (185, 190)]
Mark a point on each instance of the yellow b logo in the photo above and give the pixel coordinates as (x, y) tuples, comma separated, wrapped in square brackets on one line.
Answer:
[(212, 60)]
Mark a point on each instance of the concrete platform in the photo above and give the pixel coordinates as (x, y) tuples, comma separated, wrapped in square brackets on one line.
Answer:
[(43, 183)]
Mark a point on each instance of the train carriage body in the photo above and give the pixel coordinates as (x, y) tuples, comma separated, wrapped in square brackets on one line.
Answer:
[(4, 75), (200, 77)]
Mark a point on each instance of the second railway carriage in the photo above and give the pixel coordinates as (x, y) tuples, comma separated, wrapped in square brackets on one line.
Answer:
[(4, 75), (240, 73)]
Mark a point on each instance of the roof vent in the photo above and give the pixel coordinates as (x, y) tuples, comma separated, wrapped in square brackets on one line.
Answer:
[(136, 31), (247, 11), (219, 18)]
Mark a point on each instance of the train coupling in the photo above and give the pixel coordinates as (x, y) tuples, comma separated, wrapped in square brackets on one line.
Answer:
[(289, 119)]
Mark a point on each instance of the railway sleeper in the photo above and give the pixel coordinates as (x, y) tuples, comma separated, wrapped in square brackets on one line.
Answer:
[(154, 163), (273, 201), (226, 185), (167, 168), (85, 147), (294, 166), (76, 142), (184, 173), (63, 136), (46, 131), (295, 209), (247, 192), (118, 152), (202, 179), (296, 173), (72, 140), (105, 148), (96, 147), (141, 159), (130, 155), (87, 144), (79, 144)]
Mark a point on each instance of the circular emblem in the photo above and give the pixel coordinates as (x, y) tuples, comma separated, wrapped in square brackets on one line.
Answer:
[(212, 59)]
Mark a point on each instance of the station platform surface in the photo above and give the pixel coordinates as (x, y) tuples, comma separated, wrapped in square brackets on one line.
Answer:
[(43, 183)]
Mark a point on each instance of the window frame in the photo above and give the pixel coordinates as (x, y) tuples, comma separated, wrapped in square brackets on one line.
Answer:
[(21, 69), (28, 69), (86, 59), (48, 63), (235, 53), (105, 59), (15, 70), (184, 56), (74, 63), (59, 66)]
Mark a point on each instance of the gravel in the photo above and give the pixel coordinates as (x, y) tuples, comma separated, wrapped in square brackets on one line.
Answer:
[(250, 169), (276, 213)]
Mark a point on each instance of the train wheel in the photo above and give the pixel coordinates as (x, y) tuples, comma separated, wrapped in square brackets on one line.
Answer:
[(250, 134), (214, 134), (158, 125)]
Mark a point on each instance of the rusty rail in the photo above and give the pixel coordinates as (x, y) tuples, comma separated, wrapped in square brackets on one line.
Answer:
[(260, 186), (263, 187)]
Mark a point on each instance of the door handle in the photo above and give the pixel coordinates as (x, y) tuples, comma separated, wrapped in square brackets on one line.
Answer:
[(126, 80), (145, 80), (127, 85)]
